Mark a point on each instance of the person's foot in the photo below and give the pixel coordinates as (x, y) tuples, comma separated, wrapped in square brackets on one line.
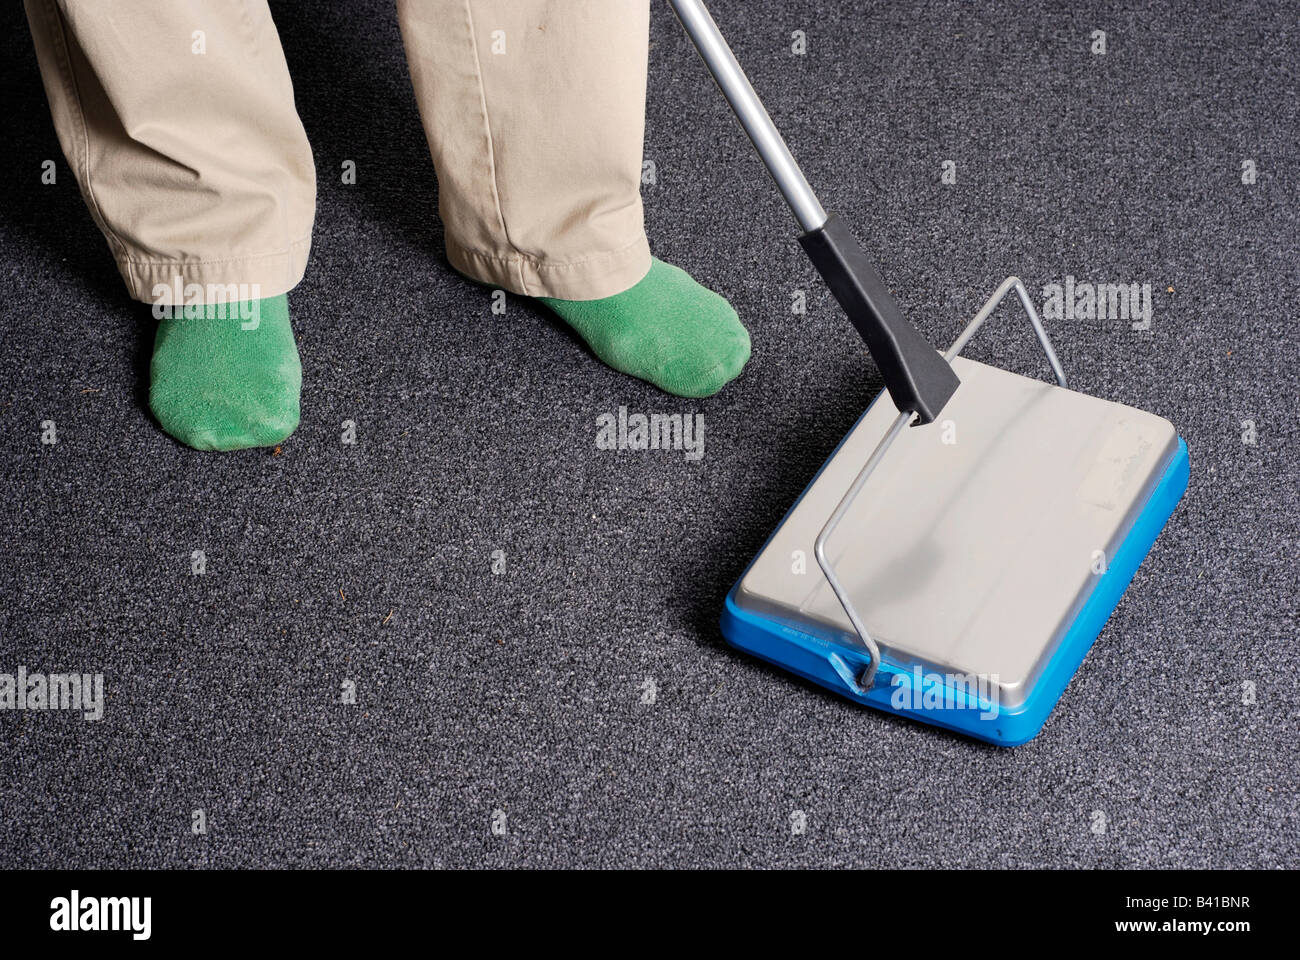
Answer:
[(226, 376), (667, 329)]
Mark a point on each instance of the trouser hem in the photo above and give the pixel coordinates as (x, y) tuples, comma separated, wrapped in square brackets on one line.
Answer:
[(588, 278), (242, 278)]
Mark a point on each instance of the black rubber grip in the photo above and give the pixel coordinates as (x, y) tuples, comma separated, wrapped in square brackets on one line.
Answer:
[(917, 377)]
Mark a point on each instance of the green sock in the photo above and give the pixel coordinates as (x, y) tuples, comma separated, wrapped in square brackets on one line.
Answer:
[(226, 376), (667, 329)]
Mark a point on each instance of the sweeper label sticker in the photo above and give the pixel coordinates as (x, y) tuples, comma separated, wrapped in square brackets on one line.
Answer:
[(1112, 476)]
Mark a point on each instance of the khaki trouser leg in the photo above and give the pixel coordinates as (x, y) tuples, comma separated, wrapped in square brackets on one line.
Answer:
[(194, 165), (535, 116)]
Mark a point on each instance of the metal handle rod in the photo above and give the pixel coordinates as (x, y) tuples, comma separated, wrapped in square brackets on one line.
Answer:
[(1007, 285), (749, 110), (868, 676)]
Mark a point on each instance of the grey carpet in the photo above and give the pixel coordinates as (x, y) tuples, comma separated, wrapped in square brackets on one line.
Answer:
[(522, 692)]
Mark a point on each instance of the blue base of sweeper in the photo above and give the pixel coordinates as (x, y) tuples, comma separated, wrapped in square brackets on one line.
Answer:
[(836, 665)]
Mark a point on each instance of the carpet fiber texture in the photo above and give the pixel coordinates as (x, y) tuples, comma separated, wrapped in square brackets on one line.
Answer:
[(568, 700)]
